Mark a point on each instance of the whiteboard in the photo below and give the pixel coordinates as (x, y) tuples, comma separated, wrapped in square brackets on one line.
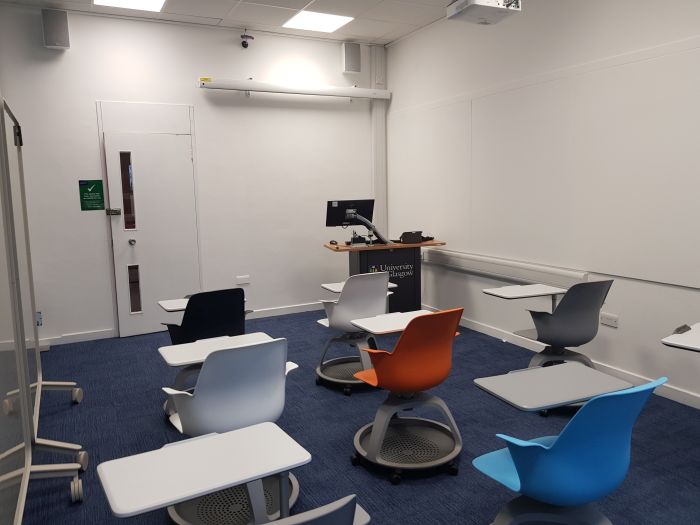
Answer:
[(599, 171)]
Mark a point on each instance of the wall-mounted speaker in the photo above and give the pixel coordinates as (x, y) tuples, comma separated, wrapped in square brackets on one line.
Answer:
[(55, 26), (351, 58)]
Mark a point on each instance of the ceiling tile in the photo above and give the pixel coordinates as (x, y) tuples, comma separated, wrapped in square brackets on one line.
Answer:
[(439, 3), (414, 14), (395, 35), (199, 8), (364, 28), (82, 5), (354, 8), (258, 14), (289, 4)]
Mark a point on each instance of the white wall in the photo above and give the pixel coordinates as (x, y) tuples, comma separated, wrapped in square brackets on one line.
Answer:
[(265, 164), (467, 148)]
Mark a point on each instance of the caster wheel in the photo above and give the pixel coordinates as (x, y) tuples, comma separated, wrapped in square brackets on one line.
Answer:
[(77, 395), (395, 479), (319, 381), (347, 390), (544, 413), (453, 470), (83, 458), (76, 490), (8, 407), (355, 460)]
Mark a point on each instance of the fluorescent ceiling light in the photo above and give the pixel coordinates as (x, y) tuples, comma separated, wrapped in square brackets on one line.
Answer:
[(313, 21), (140, 5)]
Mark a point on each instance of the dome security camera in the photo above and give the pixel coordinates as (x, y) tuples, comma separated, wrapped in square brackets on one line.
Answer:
[(244, 40)]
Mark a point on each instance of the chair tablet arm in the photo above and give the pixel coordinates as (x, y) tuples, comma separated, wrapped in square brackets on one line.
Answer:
[(520, 443), (175, 393)]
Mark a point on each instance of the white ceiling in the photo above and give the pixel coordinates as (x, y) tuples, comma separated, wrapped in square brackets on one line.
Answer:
[(376, 21)]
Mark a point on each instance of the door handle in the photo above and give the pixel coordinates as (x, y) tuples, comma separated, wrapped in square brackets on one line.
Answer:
[(132, 242)]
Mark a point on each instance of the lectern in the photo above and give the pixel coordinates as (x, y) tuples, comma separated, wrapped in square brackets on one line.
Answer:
[(402, 261)]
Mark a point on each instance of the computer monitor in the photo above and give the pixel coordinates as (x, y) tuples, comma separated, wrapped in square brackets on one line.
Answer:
[(336, 212)]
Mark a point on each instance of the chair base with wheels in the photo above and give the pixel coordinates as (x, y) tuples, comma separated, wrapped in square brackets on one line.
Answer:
[(239, 505), (340, 371), (553, 354), (409, 443), (523, 510)]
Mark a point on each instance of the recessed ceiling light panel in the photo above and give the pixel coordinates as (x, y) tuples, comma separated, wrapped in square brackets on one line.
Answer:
[(312, 21), (139, 5)]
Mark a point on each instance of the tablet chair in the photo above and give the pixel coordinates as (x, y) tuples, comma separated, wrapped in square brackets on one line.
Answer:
[(560, 476), (574, 322), (422, 359), (345, 511), (363, 295), (210, 314), (236, 388)]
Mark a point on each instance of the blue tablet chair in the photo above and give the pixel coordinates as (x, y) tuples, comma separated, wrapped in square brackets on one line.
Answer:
[(560, 476)]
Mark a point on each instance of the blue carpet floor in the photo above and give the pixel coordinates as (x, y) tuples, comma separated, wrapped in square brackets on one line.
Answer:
[(122, 415)]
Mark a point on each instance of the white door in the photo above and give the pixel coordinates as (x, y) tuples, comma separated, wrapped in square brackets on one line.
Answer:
[(150, 177)]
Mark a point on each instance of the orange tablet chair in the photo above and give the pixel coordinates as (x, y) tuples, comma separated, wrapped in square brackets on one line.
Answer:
[(421, 359)]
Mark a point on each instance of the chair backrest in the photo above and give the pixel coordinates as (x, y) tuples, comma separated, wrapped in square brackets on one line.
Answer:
[(591, 456), (422, 357), (238, 387), (214, 314), (363, 295), (575, 320), (340, 512)]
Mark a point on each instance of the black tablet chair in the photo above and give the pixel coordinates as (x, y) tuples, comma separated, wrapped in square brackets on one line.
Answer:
[(210, 314), (574, 322)]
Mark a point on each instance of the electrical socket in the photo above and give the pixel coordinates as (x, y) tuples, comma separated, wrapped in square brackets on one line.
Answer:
[(39, 319), (242, 279), (609, 319)]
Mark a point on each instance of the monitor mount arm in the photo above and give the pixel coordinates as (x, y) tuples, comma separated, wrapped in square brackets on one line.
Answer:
[(350, 214)]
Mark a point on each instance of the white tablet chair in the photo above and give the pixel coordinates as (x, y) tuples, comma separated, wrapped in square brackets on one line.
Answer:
[(345, 511), (236, 388), (363, 295)]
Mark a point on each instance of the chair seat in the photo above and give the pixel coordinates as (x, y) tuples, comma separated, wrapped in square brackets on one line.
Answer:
[(369, 376), (323, 322), (499, 466)]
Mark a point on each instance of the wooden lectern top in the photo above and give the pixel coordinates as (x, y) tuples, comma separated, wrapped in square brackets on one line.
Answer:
[(393, 246)]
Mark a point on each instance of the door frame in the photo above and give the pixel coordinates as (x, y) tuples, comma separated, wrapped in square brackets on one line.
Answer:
[(103, 127)]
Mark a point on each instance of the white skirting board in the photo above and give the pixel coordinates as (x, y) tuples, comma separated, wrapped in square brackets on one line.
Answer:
[(92, 335), (668, 391), (283, 310)]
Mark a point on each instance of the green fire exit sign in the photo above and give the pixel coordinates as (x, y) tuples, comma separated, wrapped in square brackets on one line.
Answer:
[(92, 195)]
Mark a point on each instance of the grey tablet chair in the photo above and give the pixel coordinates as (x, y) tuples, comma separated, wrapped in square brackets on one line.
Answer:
[(236, 388), (574, 322), (345, 511), (363, 295)]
